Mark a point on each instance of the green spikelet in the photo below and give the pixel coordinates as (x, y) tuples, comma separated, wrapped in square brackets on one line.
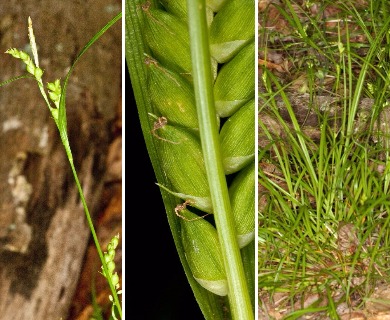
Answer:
[(172, 95), (237, 138), (203, 253), (182, 161), (232, 28), (235, 83), (242, 197), (168, 39)]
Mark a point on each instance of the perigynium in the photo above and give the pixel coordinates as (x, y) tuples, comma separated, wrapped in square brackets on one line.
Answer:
[(200, 75)]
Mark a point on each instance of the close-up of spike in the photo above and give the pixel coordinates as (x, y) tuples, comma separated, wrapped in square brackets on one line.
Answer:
[(192, 72)]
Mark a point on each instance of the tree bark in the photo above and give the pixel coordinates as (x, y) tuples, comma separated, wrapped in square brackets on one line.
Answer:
[(43, 230)]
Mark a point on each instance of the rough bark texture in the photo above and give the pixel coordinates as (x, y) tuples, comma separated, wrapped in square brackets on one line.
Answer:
[(43, 230)]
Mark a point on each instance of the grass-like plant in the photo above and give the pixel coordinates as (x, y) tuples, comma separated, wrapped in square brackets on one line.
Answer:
[(223, 282), (324, 210), (55, 98)]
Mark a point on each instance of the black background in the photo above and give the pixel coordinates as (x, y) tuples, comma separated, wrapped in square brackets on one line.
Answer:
[(156, 285)]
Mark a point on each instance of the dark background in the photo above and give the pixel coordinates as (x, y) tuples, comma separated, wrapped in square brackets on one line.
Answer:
[(156, 285)]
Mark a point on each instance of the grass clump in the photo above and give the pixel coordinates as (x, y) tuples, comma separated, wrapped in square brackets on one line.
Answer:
[(323, 158)]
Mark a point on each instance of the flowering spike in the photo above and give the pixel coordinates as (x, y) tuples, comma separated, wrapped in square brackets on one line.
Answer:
[(32, 42)]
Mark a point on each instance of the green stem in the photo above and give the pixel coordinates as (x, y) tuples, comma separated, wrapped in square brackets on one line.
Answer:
[(59, 116), (61, 123), (90, 223), (239, 297)]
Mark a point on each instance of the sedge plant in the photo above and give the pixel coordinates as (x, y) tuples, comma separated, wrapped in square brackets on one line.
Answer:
[(55, 100), (324, 211)]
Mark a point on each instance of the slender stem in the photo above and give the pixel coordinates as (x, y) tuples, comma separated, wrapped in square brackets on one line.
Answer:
[(239, 297), (62, 128), (90, 222), (59, 116)]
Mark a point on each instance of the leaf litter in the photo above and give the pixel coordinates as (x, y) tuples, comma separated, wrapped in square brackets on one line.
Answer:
[(280, 53)]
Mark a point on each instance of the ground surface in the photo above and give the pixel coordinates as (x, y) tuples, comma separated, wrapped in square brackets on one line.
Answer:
[(280, 53)]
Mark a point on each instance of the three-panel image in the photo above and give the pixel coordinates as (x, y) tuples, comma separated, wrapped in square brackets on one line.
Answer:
[(195, 159), (266, 124)]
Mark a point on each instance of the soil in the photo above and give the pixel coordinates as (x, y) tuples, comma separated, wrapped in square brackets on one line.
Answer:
[(286, 65)]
